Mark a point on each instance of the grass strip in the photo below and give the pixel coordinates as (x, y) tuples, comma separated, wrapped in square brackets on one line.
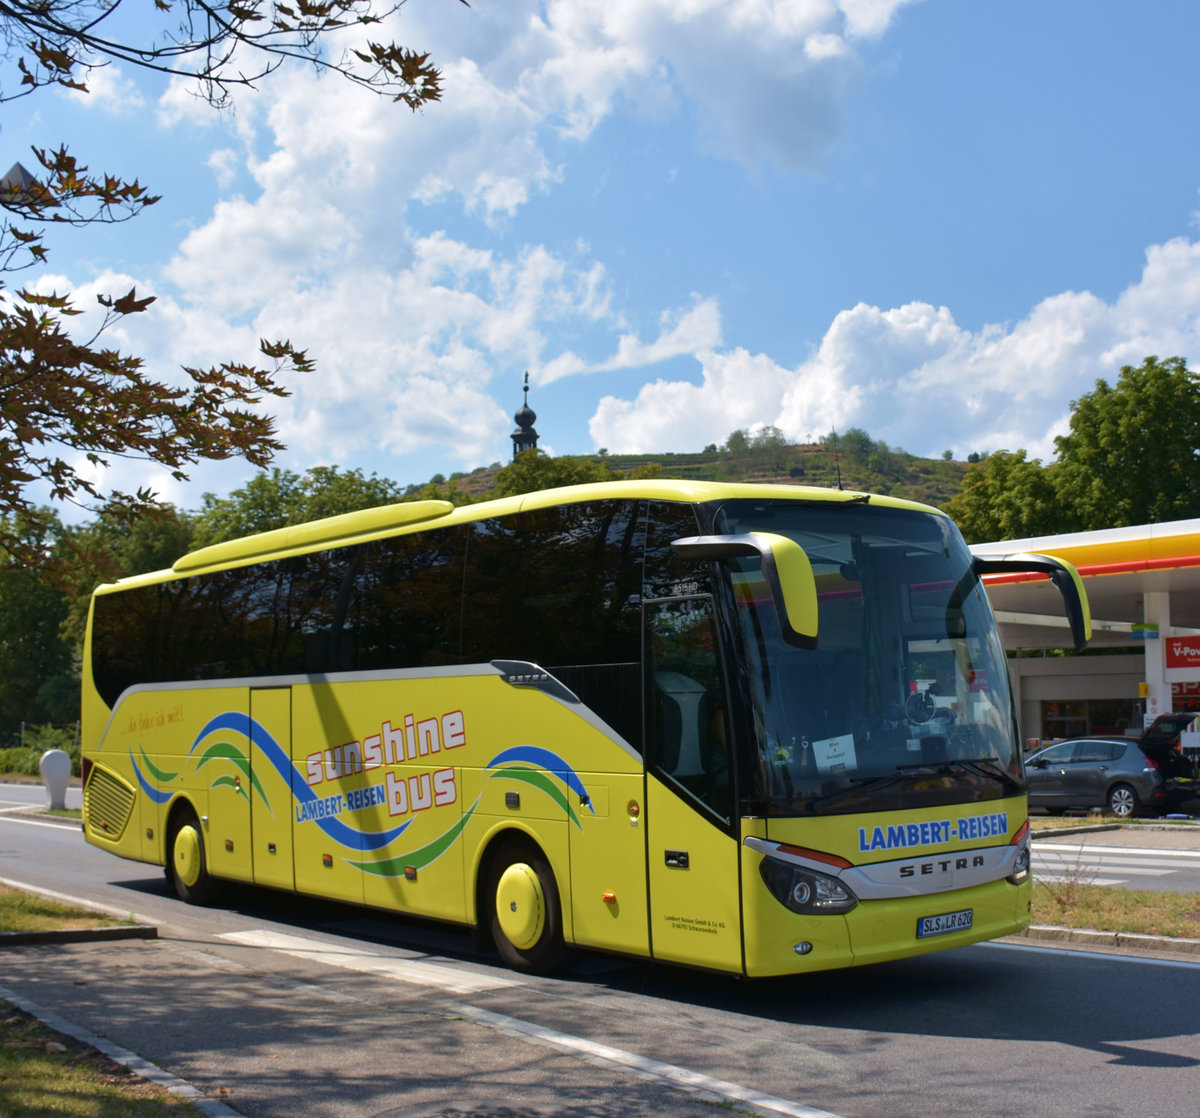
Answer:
[(27, 912), (46, 1075), (1076, 904)]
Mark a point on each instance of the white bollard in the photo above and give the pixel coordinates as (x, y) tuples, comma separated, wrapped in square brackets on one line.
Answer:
[(55, 767)]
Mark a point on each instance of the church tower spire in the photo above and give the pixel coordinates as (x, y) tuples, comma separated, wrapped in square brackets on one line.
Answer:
[(525, 437)]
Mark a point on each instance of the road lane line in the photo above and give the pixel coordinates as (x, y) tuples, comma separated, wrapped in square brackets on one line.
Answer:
[(643, 1065), (68, 825), (1127, 851), (80, 902), (1108, 956), (1106, 868), (457, 980)]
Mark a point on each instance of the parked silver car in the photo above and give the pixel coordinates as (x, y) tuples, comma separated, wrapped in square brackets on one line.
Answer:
[(1125, 776)]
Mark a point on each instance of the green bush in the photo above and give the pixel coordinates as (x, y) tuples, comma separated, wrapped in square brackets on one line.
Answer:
[(23, 760)]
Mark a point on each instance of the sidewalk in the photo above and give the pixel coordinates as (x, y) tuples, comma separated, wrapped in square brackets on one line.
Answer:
[(1152, 836)]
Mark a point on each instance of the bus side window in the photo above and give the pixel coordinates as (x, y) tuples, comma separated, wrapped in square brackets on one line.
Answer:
[(686, 714)]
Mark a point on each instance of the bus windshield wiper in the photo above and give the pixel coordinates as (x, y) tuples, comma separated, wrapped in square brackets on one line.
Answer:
[(863, 784), (983, 766)]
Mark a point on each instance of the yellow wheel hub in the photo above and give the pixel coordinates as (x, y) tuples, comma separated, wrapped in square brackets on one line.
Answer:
[(187, 855), (520, 906)]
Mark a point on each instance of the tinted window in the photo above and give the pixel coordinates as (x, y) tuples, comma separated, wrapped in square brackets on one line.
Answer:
[(1099, 751), (561, 587), (687, 715), (1057, 754), (272, 618), (406, 602)]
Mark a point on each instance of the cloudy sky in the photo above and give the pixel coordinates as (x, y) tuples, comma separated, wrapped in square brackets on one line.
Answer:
[(938, 220)]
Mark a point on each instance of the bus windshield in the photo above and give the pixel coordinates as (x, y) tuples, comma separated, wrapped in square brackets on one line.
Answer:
[(905, 701)]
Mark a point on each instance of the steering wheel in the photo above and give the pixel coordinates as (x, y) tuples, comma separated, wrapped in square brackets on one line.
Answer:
[(919, 706)]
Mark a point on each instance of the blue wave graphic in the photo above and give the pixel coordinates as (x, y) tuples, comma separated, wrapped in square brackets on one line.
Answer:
[(544, 759), (257, 734), (157, 796)]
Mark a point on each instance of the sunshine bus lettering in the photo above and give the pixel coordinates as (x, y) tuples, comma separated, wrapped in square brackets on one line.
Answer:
[(393, 745)]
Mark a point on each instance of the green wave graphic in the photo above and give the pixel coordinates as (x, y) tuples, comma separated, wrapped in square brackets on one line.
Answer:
[(545, 783), (159, 774), (227, 751), (229, 782), (418, 859)]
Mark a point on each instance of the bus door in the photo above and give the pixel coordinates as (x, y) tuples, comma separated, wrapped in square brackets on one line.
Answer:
[(326, 770), (695, 909), (270, 791)]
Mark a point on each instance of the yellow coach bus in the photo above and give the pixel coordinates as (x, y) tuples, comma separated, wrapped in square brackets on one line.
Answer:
[(757, 729)]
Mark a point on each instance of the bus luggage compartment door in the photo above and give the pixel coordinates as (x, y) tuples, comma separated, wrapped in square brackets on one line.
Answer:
[(608, 865)]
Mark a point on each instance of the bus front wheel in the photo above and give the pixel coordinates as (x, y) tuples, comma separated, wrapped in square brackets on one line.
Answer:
[(526, 918), (188, 867)]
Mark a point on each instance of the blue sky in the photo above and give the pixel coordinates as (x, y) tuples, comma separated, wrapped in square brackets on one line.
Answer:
[(937, 220)]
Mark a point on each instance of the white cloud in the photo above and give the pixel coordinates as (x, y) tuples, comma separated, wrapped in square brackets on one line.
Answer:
[(224, 164), (108, 91), (767, 76), (913, 377)]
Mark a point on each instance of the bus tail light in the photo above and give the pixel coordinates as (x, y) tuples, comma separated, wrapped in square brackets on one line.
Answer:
[(805, 891)]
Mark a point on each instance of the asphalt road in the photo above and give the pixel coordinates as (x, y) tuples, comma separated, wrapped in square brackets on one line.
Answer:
[(289, 1007)]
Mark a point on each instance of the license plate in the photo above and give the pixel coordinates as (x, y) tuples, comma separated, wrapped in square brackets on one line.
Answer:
[(945, 923)]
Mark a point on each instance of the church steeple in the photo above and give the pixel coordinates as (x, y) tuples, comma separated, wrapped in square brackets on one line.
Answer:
[(525, 437)]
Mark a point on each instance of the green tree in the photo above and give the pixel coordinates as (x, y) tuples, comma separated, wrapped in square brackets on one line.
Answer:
[(65, 399), (770, 447), (738, 442), (534, 469), (111, 547), (278, 498), (37, 676), (1007, 496), (1131, 455)]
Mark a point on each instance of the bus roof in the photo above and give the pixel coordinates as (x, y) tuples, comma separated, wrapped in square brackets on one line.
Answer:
[(394, 519)]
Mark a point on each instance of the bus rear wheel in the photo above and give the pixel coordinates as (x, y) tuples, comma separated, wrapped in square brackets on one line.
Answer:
[(524, 909), (188, 866)]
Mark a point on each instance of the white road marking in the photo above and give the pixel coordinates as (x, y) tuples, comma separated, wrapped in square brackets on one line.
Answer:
[(66, 898), (457, 980), (1106, 867), (1039, 949), (66, 825), (643, 1065), (1121, 851)]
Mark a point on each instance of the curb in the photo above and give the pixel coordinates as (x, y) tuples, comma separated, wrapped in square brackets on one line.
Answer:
[(1059, 832), (141, 1067), (1090, 937), (137, 930), (79, 935)]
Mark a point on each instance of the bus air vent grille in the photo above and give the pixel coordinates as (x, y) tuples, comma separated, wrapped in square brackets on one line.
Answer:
[(109, 803)]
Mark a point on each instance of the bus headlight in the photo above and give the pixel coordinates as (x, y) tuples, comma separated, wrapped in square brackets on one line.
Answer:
[(806, 891)]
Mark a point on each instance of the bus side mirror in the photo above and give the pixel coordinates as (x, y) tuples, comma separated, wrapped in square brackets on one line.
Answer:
[(1061, 573), (785, 568)]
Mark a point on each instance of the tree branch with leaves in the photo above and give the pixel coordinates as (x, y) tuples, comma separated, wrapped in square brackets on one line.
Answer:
[(68, 407)]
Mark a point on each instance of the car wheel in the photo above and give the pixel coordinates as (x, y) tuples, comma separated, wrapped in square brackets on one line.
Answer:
[(1123, 801), (526, 919), (188, 868)]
